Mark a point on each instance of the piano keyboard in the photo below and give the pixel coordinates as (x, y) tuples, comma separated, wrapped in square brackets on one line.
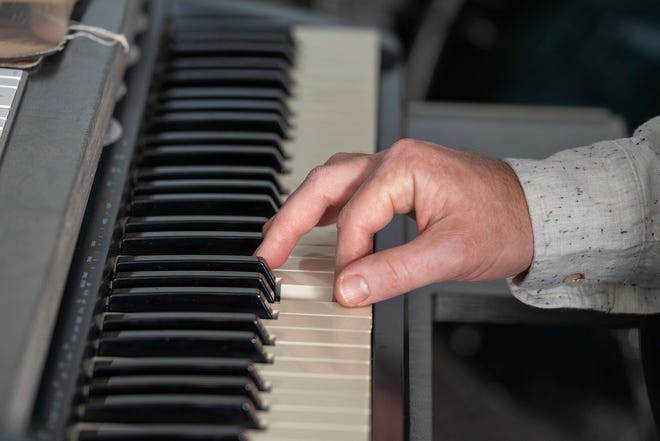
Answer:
[(196, 338)]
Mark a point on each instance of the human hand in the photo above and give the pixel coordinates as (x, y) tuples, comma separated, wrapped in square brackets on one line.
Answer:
[(470, 211)]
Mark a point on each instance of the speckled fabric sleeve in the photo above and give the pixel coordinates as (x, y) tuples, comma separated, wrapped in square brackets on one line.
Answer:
[(595, 216)]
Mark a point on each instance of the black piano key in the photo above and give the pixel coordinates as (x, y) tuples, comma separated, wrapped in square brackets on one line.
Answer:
[(227, 63), (174, 93), (217, 366), (242, 243), (160, 432), (255, 139), (280, 51), (209, 172), (265, 78), (222, 155), (219, 321), (205, 172), (274, 36), (186, 343), (186, 23), (203, 204), (170, 278), (185, 298), (194, 223), (235, 186), (180, 409), (246, 121), (177, 384), (226, 105), (197, 262), (232, 23)]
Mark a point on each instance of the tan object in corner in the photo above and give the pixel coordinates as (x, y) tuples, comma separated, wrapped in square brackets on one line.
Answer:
[(32, 28)]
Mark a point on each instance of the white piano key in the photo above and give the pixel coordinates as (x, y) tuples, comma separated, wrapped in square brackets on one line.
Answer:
[(320, 236), (315, 433), (306, 278), (280, 415), (335, 384), (349, 367), (299, 350), (322, 322), (301, 307), (296, 291), (302, 264), (312, 336), (318, 398), (314, 251)]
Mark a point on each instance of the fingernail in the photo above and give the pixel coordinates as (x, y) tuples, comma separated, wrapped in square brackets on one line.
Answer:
[(353, 289)]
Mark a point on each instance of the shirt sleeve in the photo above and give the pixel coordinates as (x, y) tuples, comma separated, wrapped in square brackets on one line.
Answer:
[(595, 216)]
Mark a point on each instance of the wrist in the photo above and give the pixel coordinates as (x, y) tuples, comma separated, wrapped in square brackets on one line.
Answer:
[(523, 233)]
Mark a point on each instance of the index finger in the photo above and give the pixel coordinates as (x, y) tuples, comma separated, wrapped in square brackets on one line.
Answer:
[(326, 188)]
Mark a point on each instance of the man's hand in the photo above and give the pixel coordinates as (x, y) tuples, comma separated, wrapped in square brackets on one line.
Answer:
[(470, 211)]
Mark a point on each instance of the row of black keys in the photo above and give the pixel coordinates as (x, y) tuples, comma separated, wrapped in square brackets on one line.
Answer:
[(182, 328), (202, 118), (244, 77), (192, 283), (180, 334), (161, 390)]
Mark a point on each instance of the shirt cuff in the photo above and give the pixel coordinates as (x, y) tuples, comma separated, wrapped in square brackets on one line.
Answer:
[(610, 298), (584, 206)]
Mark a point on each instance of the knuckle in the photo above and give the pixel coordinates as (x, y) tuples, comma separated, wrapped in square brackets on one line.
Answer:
[(339, 157), (351, 223), (404, 147), (317, 174), (398, 272), (343, 218)]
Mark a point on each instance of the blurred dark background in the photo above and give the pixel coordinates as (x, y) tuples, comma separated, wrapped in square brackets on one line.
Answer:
[(603, 53), (526, 382)]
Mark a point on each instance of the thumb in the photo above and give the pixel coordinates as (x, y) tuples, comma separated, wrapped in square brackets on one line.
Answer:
[(398, 270)]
